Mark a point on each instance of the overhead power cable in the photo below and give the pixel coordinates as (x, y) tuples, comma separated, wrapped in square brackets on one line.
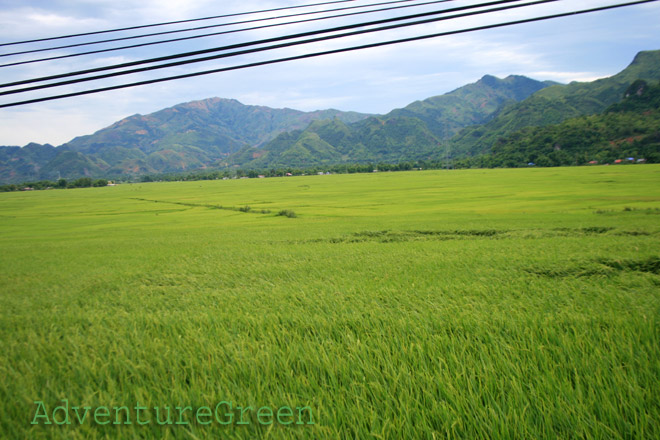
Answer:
[(168, 23), (330, 52), (176, 31), (213, 33), (284, 38)]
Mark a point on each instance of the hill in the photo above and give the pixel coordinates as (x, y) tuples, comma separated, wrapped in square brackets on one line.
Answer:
[(556, 104), (410, 133), (626, 132), (469, 122), (21, 164), (187, 136)]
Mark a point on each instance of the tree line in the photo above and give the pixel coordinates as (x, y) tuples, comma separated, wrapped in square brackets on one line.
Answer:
[(82, 182)]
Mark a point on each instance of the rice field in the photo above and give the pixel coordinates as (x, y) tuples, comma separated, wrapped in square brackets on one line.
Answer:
[(471, 304)]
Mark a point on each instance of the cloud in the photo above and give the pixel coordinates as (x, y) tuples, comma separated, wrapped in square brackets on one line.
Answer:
[(54, 127), (567, 77)]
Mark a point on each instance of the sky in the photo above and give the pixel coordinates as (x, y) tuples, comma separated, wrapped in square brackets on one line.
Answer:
[(576, 48)]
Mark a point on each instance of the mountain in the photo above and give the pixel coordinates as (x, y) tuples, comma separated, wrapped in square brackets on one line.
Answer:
[(555, 104), (472, 104), (218, 126), (628, 131), (188, 136), (492, 122), (409, 133), (192, 135), (21, 164)]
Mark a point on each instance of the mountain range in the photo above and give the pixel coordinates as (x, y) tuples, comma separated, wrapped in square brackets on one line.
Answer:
[(188, 136), (474, 122), (411, 133)]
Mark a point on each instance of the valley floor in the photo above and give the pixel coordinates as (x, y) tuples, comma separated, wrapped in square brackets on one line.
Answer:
[(507, 303)]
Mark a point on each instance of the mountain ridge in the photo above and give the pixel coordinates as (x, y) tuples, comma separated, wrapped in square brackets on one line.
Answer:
[(556, 104), (190, 135), (626, 132), (410, 133), (223, 133)]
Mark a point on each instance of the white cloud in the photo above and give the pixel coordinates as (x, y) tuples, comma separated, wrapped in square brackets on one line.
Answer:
[(567, 77), (53, 126)]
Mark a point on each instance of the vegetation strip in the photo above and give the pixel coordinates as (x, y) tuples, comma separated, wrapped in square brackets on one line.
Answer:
[(245, 208), (389, 236)]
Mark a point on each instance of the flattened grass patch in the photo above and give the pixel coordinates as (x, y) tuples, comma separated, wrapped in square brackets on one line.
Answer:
[(649, 265), (388, 236), (599, 267)]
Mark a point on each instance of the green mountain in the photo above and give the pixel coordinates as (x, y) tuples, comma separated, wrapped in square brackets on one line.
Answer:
[(472, 104), (21, 164), (188, 136), (192, 135), (554, 105), (70, 165), (410, 133), (217, 126), (626, 132)]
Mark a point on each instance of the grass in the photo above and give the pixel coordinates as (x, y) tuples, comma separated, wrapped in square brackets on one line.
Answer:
[(463, 304)]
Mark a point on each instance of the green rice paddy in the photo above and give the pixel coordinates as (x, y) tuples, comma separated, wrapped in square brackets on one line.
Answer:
[(475, 304)]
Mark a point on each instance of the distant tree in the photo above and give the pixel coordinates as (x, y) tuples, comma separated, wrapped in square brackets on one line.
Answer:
[(10, 187), (82, 182), (543, 161)]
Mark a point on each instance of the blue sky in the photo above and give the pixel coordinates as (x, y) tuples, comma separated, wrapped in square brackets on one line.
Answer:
[(579, 48)]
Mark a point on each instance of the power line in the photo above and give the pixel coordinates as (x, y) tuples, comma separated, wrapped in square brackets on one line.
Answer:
[(144, 26), (283, 45), (155, 34), (277, 39), (329, 52), (215, 33)]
